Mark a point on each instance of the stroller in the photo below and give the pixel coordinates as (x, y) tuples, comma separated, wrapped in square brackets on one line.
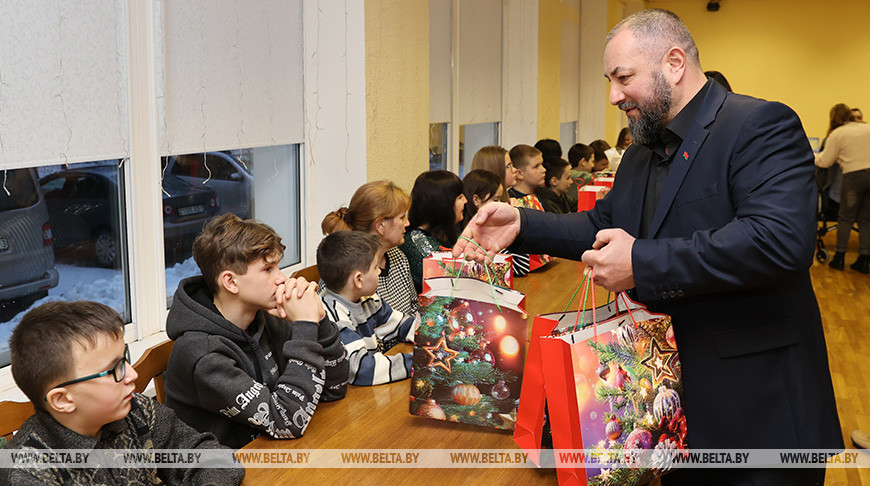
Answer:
[(828, 181)]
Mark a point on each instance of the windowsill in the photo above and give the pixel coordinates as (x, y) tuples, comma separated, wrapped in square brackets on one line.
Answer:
[(10, 392)]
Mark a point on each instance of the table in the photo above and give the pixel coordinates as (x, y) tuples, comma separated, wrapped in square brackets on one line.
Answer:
[(377, 418)]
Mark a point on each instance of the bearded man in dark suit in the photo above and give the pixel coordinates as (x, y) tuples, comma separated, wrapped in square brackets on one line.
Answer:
[(711, 220)]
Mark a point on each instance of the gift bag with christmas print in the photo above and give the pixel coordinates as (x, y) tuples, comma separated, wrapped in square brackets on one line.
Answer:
[(468, 352), (442, 264), (532, 432), (615, 387)]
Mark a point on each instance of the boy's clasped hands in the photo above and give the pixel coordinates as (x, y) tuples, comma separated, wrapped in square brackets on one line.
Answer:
[(296, 300)]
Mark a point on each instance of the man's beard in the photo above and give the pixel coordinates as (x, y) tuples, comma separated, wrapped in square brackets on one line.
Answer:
[(647, 126)]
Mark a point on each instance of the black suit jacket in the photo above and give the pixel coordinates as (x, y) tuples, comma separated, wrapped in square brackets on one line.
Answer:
[(728, 255)]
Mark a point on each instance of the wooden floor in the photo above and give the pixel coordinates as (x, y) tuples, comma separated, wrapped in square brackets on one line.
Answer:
[(844, 298)]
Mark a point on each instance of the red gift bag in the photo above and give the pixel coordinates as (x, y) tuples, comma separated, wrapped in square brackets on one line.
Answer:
[(615, 387), (528, 433), (588, 194)]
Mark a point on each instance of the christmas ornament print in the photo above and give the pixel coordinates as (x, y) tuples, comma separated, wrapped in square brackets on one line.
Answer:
[(500, 391), (465, 394), (613, 429), (430, 409), (666, 403), (460, 317), (440, 354), (638, 439)]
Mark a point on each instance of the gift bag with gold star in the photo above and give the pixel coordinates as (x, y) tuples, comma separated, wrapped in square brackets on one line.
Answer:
[(468, 352), (619, 378)]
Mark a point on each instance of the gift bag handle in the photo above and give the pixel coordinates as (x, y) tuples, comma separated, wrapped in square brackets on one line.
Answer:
[(485, 267)]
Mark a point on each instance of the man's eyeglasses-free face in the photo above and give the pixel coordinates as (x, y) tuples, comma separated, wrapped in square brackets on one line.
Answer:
[(118, 371)]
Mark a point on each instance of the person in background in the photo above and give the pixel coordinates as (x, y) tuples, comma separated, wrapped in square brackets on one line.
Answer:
[(600, 162), (348, 264), (731, 268), (495, 159), (553, 195), (719, 78), (254, 352), (580, 156), (530, 170), (614, 155), (437, 203), (381, 208), (70, 359), (481, 187), (848, 144), (857, 116), (549, 147)]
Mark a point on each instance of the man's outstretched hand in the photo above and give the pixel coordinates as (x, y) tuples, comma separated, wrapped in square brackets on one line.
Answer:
[(494, 228)]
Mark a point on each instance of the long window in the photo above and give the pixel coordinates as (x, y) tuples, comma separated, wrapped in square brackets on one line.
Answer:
[(99, 167)]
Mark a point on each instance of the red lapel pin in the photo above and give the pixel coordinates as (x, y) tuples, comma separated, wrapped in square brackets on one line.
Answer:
[(685, 155)]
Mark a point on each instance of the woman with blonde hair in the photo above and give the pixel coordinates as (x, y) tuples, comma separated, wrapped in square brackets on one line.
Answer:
[(495, 159), (381, 208)]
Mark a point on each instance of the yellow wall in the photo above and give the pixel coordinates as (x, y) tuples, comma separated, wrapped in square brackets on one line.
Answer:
[(397, 90), (807, 54), (549, 68)]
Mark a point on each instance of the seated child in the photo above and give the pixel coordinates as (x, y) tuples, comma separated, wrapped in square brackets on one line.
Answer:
[(600, 162), (348, 265), (70, 359), (553, 195), (529, 165), (580, 156), (238, 368)]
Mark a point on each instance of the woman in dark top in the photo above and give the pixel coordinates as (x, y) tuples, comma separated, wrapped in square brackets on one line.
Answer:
[(437, 203)]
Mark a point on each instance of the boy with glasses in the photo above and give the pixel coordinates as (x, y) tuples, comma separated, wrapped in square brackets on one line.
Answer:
[(70, 359)]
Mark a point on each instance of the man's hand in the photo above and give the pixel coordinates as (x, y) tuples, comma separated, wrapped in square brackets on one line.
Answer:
[(494, 227), (610, 259)]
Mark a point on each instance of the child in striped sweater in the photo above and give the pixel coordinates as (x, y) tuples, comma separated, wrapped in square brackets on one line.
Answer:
[(348, 265)]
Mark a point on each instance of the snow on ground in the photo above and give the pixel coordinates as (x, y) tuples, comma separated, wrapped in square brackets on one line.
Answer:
[(103, 285)]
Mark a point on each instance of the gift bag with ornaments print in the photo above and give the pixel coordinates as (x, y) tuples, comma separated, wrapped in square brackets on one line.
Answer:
[(614, 386), (443, 264), (468, 352)]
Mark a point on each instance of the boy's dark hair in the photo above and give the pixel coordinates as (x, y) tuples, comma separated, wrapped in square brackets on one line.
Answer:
[(555, 167), (344, 252), (577, 152), (432, 200), (522, 154), (598, 156), (549, 147), (42, 344), (230, 243), (600, 144)]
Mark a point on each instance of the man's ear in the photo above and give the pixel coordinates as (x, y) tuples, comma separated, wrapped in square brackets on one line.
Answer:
[(553, 181), (59, 400), (227, 281), (674, 64)]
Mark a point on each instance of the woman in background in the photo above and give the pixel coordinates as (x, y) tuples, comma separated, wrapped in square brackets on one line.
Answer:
[(614, 155), (495, 159), (437, 205), (381, 208)]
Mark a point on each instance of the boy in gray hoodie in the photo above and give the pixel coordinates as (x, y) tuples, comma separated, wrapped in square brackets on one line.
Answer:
[(253, 350)]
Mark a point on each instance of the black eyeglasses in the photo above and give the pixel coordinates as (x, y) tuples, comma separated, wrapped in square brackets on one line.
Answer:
[(118, 371)]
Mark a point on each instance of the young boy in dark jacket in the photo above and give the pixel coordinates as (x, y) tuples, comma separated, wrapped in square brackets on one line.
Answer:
[(253, 350)]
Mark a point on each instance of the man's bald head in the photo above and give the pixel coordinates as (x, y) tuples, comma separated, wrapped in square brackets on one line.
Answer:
[(657, 31)]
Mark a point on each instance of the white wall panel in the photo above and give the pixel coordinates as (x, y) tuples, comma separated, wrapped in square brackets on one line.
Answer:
[(480, 56)]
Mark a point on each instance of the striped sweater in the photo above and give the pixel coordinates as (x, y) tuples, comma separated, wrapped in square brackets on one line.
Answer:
[(369, 328)]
